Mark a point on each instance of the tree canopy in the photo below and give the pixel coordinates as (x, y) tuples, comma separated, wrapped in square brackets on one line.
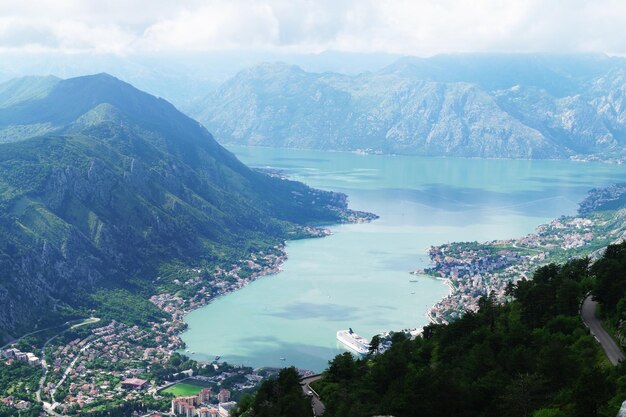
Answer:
[(531, 357)]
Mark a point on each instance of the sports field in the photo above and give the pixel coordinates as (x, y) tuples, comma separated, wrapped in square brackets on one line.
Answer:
[(183, 389)]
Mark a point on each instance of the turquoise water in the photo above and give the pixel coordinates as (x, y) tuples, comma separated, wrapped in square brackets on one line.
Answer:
[(359, 276)]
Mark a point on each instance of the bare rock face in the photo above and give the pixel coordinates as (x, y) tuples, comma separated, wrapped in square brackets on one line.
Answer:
[(524, 106)]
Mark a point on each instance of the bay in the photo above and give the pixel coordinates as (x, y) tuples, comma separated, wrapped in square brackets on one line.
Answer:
[(359, 276)]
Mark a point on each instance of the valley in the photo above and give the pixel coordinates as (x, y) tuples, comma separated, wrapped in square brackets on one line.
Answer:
[(200, 270), (421, 202), (235, 208)]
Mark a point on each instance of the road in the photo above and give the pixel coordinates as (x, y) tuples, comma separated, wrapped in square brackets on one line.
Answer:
[(68, 370), (79, 322), (49, 408), (588, 314), (316, 403), (30, 334)]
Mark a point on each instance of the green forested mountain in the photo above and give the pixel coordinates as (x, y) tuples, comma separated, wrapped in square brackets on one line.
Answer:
[(530, 357), (471, 105), (101, 184)]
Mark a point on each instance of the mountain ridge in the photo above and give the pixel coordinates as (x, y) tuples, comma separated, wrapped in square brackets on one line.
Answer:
[(451, 105), (122, 184)]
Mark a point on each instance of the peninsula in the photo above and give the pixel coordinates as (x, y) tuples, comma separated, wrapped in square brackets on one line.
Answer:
[(473, 270)]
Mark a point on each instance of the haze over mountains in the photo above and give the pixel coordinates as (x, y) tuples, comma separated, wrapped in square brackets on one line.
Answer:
[(180, 77), (497, 106), (101, 184)]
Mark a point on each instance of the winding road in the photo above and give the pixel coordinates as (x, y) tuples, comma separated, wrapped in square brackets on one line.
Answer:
[(316, 403), (588, 314), (49, 408)]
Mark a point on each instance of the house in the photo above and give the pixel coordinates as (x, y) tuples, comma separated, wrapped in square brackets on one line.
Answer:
[(183, 405), (134, 383), (22, 405), (10, 353), (208, 412), (224, 408), (32, 359)]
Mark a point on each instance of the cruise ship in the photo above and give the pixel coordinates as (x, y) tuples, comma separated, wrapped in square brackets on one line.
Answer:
[(353, 341)]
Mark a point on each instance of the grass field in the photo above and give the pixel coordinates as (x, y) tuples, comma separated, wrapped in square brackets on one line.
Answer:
[(183, 389)]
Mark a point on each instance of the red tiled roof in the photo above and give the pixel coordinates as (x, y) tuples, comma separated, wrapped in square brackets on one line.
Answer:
[(134, 381)]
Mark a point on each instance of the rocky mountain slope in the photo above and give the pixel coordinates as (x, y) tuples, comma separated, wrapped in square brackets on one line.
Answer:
[(503, 106), (101, 184)]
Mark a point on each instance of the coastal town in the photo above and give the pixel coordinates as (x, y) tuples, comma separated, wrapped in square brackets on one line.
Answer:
[(473, 270), (99, 365), (93, 366)]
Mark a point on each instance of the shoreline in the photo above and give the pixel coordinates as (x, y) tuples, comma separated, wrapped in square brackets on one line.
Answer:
[(363, 152), (473, 270), (451, 289), (167, 302), (470, 270)]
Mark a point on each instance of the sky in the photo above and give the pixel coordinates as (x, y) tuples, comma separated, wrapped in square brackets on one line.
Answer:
[(411, 27)]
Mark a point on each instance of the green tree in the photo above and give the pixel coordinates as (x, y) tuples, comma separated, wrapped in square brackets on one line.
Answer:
[(549, 412), (529, 357), (374, 344), (279, 397)]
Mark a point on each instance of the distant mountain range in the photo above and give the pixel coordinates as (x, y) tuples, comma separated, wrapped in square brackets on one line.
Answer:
[(101, 184), (181, 77), (497, 106)]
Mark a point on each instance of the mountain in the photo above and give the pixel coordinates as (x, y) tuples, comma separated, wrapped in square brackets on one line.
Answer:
[(102, 184), (502, 106), (181, 77)]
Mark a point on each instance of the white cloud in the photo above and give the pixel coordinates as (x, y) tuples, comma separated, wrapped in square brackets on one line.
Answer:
[(219, 25), (420, 27)]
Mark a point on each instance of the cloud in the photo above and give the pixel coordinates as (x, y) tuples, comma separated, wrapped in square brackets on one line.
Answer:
[(420, 27), (220, 25)]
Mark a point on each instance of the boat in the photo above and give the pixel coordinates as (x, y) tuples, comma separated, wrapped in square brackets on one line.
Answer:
[(353, 341), (282, 359)]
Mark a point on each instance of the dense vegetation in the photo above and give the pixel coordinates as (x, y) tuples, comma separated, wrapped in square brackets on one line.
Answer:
[(124, 306), (124, 408), (530, 357), (277, 397), (121, 186), (610, 288), (20, 381)]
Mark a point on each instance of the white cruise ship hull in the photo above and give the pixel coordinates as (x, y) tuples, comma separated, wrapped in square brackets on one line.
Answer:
[(353, 342)]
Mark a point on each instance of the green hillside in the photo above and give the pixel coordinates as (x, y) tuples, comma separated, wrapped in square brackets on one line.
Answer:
[(529, 357), (121, 185)]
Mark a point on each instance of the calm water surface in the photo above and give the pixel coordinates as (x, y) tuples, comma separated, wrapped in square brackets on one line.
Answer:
[(359, 276)]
